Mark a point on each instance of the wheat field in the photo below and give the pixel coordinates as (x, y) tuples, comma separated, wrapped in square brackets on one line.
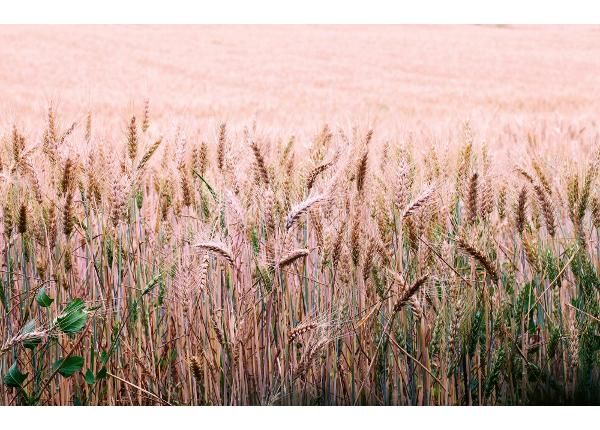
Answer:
[(372, 215)]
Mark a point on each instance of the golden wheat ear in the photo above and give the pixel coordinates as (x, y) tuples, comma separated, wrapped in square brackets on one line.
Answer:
[(146, 118), (196, 366), (547, 210), (479, 256), (314, 173), (260, 163), (299, 330), (293, 256), (217, 248), (409, 292), (221, 146), (132, 139), (302, 208), (421, 200)]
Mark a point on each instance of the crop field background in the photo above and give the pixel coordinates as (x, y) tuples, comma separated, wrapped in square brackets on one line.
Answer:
[(299, 215)]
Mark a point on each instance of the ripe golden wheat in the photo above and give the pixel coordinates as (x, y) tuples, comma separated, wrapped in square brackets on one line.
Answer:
[(245, 268)]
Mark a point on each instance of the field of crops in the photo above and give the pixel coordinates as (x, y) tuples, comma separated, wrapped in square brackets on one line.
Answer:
[(299, 216)]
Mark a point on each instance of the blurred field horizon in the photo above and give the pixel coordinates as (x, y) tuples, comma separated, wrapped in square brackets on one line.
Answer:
[(293, 76)]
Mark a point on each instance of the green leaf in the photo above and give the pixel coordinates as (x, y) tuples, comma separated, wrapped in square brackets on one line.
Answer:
[(14, 378), (161, 292), (139, 199), (69, 366), (101, 373), (31, 342), (212, 192), (89, 377), (73, 317), (3, 296), (43, 299), (150, 286), (72, 323), (75, 305), (255, 242)]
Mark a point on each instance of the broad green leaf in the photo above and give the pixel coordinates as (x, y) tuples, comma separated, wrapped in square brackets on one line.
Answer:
[(31, 342), (29, 327), (73, 317), (14, 378), (89, 377), (75, 305), (43, 299), (69, 366), (72, 323), (101, 373)]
